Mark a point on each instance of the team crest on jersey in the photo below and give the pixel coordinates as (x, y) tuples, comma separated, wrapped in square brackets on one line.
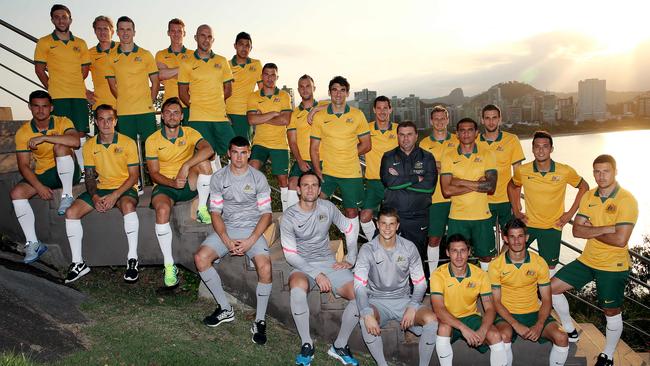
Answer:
[(611, 208), (182, 143), (118, 150), (392, 137), (451, 144), (322, 218), (252, 69), (138, 59), (76, 49), (555, 178), (183, 57), (531, 273), (217, 66), (471, 284), (400, 259), (500, 148), (349, 120), (276, 100), (418, 165), (478, 160), (248, 189)]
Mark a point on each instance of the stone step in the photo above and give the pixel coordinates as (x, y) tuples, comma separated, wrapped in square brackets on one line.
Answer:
[(592, 341)]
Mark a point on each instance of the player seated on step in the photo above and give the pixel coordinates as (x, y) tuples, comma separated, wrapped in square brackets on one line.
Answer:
[(383, 292), (305, 240), (48, 140), (177, 158), (111, 167), (240, 205), (455, 290)]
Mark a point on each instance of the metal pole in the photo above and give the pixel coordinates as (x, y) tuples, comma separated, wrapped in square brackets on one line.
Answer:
[(14, 94), (9, 49), (22, 76), (19, 31)]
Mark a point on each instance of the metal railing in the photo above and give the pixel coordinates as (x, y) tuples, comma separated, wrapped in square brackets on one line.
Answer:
[(19, 55)]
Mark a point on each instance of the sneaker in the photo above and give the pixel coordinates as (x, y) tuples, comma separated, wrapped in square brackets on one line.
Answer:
[(574, 336), (603, 360), (76, 271), (33, 251), (258, 329), (131, 274), (171, 275), (66, 201), (306, 355), (82, 176), (140, 190), (219, 316), (203, 216), (343, 354)]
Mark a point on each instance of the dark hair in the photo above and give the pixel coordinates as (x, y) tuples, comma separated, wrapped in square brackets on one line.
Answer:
[(40, 94), (170, 101), (243, 35), (124, 18), (407, 124), (238, 141), (309, 173), (388, 211), (270, 65), (454, 238), (604, 158), (103, 18), (438, 109), (175, 21), (543, 135), (514, 223), (305, 77), (467, 120), (105, 107), (341, 81), (490, 107), (381, 98), (56, 7)]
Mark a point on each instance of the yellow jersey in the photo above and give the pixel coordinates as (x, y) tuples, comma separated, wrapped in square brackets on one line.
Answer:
[(99, 66), (172, 153), (131, 71), (460, 294), (111, 161), (619, 208), (303, 128), (473, 166), (339, 135), (438, 148), (507, 150), (519, 281), (172, 60), (64, 60), (382, 141), (268, 135), (43, 155), (544, 192), (205, 78), (246, 76)]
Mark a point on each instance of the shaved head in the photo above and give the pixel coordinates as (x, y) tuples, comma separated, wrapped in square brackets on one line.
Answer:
[(202, 27)]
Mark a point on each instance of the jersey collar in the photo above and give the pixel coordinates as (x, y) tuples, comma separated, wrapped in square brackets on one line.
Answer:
[(300, 107), (611, 195), (499, 137), (134, 50), (35, 129), (526, 260), (451, 273), (474, 151), (99, 141), (105, 51), (276, 91), (447, 138), (233, 61), (173, 140), (183, 50), (390, 127), (552, 170), (56, 38), (331, 111), (196, 55)]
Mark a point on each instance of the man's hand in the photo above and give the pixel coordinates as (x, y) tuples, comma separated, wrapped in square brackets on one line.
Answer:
[(35, 141), (566, 217), (161, 65), (304, 166), (90, 97), (323, 283), (109, 201), (371, 325), (392, 171), (342, 265), (243, 245), (408, 318), (44, 192), (472, 338), (535, 332), (521, 216), (521, 329), (181, 176)]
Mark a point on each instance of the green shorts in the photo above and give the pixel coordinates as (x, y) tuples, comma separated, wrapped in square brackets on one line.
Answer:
[(438, 218), (374, 195), (503, 211), (50, 177), (548, 243), (137, 124), (217, 134), (473, 322), (351, 189), (240, 125), (176, 195), (279, 158), (528, 320), (74, 108), (610, 286), (295, 169), (103, 192), (478, 232)]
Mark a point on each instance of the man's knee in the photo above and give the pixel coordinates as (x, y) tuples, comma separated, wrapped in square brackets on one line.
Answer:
[(204, 258), (612, 311), (163, 211), (204, 167), (493, 336), (444, 330), (61, 150), (126, 205), (263, 267)]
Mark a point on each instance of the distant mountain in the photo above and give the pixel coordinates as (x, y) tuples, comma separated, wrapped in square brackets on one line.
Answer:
[(456, 97), (510, 90)]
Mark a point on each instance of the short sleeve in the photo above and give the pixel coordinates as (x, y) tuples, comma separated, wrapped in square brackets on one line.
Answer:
[(628, 211), (226, 71), (572, 177), (494, 273), (317, 126), (516, 176), (65, 124), (490, 161), (151, 65), (110, 70), (22, 142), (184, 72), (293, 122), (259, 67), (362, 126), (159, 57), (486, 289), (437, 283), (151, 148), (41, 51), (251, 104), (131, 153), (194, 136), (85, 55), (286, 103), (543, 275), (89, 157), (517, 155), (584, 205), (445, 164)]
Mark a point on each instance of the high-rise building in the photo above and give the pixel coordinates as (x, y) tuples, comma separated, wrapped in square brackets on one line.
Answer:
[(290, 92), (643, 105), (592, 103), (409, 109), (565, 109), (548, 108), (365, 99)]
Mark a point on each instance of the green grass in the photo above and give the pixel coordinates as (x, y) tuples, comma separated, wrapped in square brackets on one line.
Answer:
[(13, 359), (141, 325)]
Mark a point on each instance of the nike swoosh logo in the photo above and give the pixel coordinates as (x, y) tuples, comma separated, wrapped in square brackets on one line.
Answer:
[(51, 47), (326, 122), (299, 313), (130, 232), (504, 273), (300, 226), (455, 162), (70, 236), (205, 185), (162, 148), (531, 177), (194, 68), (163, 234), (20, 216), (609, 301), (380, 262), (429, 344), (98, 58), (115, 61), (397, 163), (450, 285), (95, 152), (224, 187), (444, 356), (423, 228), (262, 295), (590, 205), (63, 173)]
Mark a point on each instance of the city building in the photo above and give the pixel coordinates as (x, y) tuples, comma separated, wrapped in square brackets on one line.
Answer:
[(566, 109), (290, 92), (365, 100), (592, 103), (548, 108)]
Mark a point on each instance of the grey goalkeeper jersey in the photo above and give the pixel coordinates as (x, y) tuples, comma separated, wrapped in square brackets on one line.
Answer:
[(384, 274), (240, 199), (305, 235)]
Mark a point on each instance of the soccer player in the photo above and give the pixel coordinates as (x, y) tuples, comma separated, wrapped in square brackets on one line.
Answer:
[(383, 293), (177, 157), (409, 174), (437, 143), (606, 217), (111, 160), (269, 110), (305, 240), (247, 72), (383, 136), (131, 70), (344, 135), (509, 154), (544, 183), (61, 63), (455, 289), (49, 141), (469, 175), (516, 276), (204, 83), (298, 135), (169, 59), (240, 205), (100, 62)]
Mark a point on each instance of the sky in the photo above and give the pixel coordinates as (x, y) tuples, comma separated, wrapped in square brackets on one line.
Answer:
[(426, 48)]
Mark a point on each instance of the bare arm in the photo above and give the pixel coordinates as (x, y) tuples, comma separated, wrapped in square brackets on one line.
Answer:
[(568, 215), (292, 138), (314, 153), (614, 235), (154, 173), (505, 314), (70, 138), (257, 118), (112, 84), (227, 90), (184, 93), (155, 86), (364, 144), (203, 152), (166, 73), (40, 68), (134, 173), (444, 316), (85, 69), (449, 189), (489, 312), (91, 183), (486, 185)]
